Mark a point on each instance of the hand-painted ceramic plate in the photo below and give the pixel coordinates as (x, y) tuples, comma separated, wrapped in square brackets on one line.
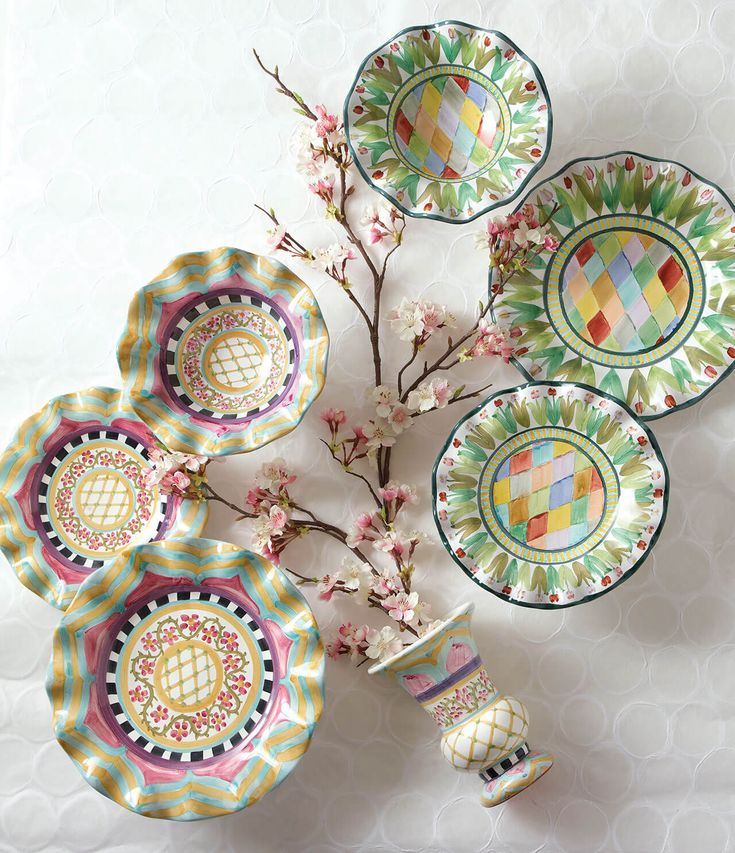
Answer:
[(448, 121), (550, 494), (72, 496), (187, 679), (639, 300), (223, 352)]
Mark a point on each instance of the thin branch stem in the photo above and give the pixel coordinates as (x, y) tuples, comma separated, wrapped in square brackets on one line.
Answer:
[(470, 395), (301, 577), (374, 324), (283, 88), (352, 473), (405, 367), (214, 496)]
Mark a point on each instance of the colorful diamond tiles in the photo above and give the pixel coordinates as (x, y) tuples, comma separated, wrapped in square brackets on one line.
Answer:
[(625, 291), (447, 125), (548, 496)]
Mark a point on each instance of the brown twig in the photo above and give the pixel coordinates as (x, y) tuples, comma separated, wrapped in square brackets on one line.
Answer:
[(284, 90), (214, 496), (452, 345), (352, 473), (414, 353)]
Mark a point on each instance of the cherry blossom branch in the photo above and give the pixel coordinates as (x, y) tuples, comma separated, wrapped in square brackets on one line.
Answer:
[(339, 154), (348, 470), (507, 266), (514, 241), (282, 89), (210, 494)]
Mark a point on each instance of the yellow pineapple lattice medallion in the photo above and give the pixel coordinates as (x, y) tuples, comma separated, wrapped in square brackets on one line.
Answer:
[(94, 501), (192, 674), (188, 676), (236, 362), (104, 499)]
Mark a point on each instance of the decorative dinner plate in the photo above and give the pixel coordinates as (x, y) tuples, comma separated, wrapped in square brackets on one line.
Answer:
[(448, 121), (223, 352), (550, 494), (639, 299), (72, 494), (186, 680)]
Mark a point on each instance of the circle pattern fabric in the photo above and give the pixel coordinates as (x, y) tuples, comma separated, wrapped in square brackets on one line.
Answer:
[(550, 494)]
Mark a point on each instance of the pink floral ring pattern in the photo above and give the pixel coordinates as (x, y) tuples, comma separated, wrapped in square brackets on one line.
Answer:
[(471, 696), (189, 676)]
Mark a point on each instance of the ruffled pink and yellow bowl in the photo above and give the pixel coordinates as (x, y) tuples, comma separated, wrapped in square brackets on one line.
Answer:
[(223, 352), (186, 679), (73, 496)]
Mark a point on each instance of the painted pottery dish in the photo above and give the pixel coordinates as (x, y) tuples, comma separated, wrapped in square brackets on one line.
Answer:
[(483, 730), (72, 494), (448, 121), (223, 352), (639, 299), (550, 494), (186, 680)]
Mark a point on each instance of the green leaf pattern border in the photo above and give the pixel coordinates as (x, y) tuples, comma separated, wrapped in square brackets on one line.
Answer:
[(688, 201), (382, 168), (619, 433)]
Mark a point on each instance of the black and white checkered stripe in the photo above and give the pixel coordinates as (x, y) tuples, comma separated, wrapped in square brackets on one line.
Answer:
[(111, 678), (498, 769), (52, 466), (197, 311)]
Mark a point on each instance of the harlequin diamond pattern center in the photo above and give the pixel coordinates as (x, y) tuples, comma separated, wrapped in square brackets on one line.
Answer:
[(549, 496), (625, 291), (104, 500), (189, 675), (446, 126), (490, 736), (235, 361)]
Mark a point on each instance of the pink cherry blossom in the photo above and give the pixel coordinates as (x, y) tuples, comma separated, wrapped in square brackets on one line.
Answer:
[(325, 123), (325, 587), (399, 418), (401, 606), (334, 417)]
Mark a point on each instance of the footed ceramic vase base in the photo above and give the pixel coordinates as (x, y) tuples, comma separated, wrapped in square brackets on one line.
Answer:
[(516, 779), (483, 730)]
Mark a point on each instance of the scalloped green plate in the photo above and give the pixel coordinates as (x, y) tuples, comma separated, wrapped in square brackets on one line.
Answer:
[(550, 494), (448, 120), (639, 299)]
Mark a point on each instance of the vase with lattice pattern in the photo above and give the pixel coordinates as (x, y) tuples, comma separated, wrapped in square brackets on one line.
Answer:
[(483, 730)]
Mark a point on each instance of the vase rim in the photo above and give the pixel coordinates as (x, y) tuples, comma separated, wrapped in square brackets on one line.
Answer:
[(461, 610)]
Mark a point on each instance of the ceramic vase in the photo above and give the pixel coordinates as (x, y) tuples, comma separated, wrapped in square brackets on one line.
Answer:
[(483, 731)]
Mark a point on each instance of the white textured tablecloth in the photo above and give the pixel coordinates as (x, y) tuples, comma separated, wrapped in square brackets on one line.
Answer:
[(138, 129)]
